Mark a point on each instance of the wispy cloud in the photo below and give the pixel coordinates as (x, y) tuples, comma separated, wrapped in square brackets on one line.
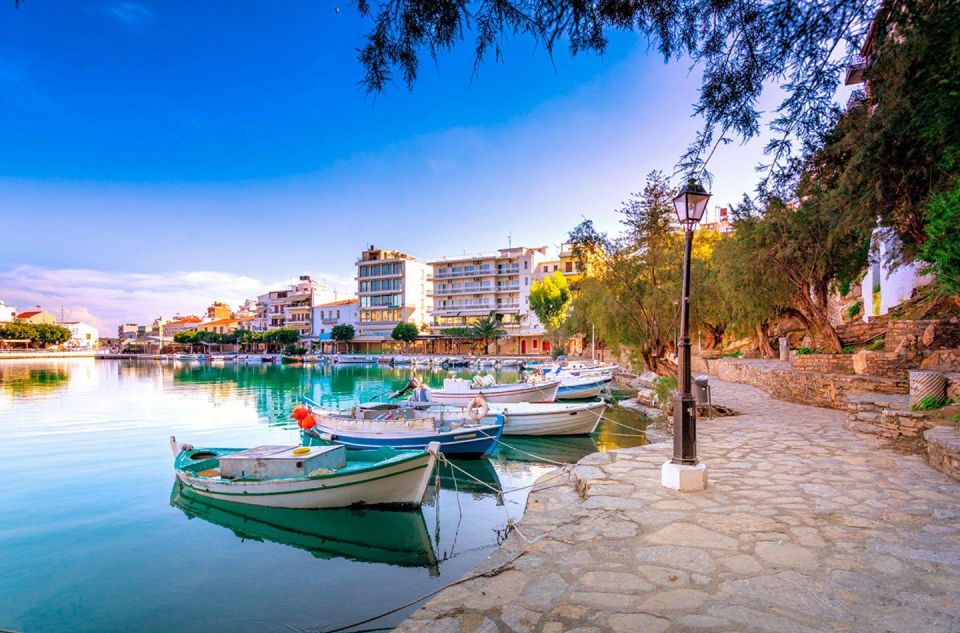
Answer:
[(130, 13), (106, 299)]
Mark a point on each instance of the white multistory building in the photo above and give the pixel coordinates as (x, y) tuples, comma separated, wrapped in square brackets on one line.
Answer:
[(391, 289), (82, 335), (291, 307), (8, 314), (466, 288)]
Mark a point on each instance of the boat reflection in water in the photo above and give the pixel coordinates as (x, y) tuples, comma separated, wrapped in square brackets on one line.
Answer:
[(392, 537), (563, 449), (474, 476)]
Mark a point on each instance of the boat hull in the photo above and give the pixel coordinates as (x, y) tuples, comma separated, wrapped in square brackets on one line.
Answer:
[(556, 421), (500, 394), (400, 482), (580, 391), (465, 443)]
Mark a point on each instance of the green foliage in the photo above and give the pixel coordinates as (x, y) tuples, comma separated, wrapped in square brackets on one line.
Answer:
[(406, 332), (465, 333), (941, 251), (803, 351), (853, 310), (281, 336), (39, 334), (550, 299), (488, 329), (848, 349), (664, 387), (876, 346), (343, 333), (294, 350), (249, 337), (187, 337), (730, 355), (843, 286), (929, 403)]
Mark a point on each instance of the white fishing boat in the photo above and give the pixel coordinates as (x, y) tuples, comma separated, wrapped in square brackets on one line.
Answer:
[(555, 418), (460, 393), (581, 387), (305, 476), (354, 359)]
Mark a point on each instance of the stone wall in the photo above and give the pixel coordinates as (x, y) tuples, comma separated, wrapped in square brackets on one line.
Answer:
[(953, 387), (823, 363), (926, 334), (889, 364), (943, 450), (889, 418), (945, 360), (859, 332), (823, 390)]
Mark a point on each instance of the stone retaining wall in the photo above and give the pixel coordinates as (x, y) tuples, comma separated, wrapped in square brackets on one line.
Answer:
[(929, 334), (953, 387), (885, 418), (859, 332), (823, 363), (943, 450), (888, 364), (822, 390)]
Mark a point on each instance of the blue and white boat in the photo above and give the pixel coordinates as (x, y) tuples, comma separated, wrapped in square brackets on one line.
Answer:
[(375, 425), (578, 388)]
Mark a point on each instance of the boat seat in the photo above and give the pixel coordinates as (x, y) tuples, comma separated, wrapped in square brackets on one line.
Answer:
[(210, 473)]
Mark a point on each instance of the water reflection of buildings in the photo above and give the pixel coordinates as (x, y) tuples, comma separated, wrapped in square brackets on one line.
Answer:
[(21, 380), (390, 537)]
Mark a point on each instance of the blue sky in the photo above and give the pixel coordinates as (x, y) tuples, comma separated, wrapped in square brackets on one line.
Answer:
[(156, 156)]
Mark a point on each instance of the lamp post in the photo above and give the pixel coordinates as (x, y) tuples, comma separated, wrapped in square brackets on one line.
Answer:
[(684, 471)]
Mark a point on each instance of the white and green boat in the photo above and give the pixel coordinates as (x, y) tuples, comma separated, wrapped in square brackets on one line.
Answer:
[(306, 476)]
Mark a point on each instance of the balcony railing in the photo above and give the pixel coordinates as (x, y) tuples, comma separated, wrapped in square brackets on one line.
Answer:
[(508, 287), (508, 270), (857, 98), (459, 290), (856, 66), (450, 273)]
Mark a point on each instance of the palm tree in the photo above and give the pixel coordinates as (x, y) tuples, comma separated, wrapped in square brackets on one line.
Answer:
[(488, 329)]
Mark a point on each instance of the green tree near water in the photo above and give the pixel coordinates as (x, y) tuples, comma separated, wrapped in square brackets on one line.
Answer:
[(488, 329), (342, 333), (550, 301), (39, 334), (405, 332)]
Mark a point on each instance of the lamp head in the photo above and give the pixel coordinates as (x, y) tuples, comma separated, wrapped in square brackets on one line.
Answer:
[(690, 203)]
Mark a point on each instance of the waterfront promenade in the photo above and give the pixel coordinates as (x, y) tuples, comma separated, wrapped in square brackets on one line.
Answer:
[(805, 527)]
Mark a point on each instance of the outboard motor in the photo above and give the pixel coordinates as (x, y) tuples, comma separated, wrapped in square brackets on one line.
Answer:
[(413, 383)]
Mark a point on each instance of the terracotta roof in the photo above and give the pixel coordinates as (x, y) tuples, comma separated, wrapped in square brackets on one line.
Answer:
[(184, 321), (27, 315), (336, 303), (220, 322)]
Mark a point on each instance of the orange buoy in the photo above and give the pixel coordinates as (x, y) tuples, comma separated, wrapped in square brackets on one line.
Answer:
[(299, 413), (307, 423)]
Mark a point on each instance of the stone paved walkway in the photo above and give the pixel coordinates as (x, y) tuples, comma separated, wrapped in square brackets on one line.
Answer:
[(805, 527)]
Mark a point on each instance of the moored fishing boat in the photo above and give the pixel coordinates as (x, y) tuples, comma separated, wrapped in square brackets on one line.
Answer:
[(369, 535), (353, 359), (580, 387), (529, 418), (288, 359), (373, 425), (459, 392), (304, 476)]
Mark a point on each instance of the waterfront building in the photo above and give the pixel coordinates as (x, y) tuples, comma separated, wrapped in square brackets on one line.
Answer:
[(180, 324), (82, 335), (39, 315), (7, 313), (129, 331), (391, 289), (219, 310), (718, 221), (291, 307), (219, 326), (327, 316), (247, 309), (467, 288)]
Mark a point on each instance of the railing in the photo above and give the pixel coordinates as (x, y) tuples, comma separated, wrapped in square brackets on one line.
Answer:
[(465, 272), (857, 97), (511, 270), (508, 287), (463, 290), (856, 65)]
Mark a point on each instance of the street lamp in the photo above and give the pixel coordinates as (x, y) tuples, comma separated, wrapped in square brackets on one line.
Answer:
[(684, 472)]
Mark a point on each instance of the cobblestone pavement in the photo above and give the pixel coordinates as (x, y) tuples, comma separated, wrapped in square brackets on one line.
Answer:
[(805, 527)]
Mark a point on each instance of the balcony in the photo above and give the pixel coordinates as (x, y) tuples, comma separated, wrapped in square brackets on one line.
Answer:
[(508, 270), (856, 66), (456, 273), (510, 287), (463, 290), (857, 98)]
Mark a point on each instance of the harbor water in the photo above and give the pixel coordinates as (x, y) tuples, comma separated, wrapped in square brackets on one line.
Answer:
[(95, 536)]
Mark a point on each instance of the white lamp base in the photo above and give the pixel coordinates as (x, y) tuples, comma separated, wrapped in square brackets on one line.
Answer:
[(683, 478)]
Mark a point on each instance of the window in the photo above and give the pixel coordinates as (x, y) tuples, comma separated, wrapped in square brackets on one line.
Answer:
[(526, 265), (568, 267), (535, 343)]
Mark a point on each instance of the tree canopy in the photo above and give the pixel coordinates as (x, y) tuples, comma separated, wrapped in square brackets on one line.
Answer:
[(550, 300), (39, 334), (343, 332), (742, 48), (406, 332), (281, 336)]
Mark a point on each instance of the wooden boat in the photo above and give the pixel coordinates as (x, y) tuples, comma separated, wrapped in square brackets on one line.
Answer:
[(459, 392), (580, 387), (528, 418), (370, 535), (376, 424), (306, 477), (287, 359)]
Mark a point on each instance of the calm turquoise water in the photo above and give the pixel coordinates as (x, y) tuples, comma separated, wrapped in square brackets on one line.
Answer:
[(93, 536)]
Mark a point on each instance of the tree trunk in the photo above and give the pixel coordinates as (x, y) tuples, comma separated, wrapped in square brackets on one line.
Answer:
[(713, 335), (763, 342), (819, 323)]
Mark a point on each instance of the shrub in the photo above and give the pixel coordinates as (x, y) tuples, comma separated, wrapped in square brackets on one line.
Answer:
[(853, 310), (664, 387), (730, 355), (928, 403), (803, 351), (294, 350), (876, 346), (848, 349), (844, 287), (941, 250)]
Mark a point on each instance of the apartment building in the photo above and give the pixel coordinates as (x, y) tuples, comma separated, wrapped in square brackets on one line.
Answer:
[(327, 316), (391, 289), (7, 313), (466, 288), (291, 307)]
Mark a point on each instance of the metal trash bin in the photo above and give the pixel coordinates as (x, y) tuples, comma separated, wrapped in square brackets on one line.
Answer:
[(701, 393)]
